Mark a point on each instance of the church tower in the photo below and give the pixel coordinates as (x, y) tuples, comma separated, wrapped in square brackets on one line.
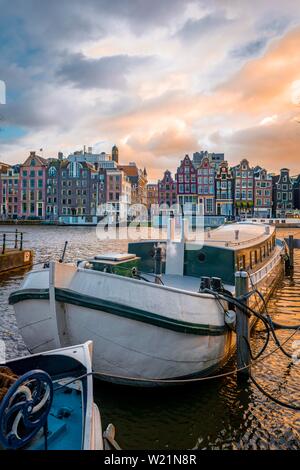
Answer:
[(115, 154)]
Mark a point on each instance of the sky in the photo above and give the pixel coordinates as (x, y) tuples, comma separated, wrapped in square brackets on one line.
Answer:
[(158, 78)]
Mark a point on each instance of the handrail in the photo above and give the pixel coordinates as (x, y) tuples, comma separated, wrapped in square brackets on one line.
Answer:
[(14, 242), (264, 270), (232, 243)]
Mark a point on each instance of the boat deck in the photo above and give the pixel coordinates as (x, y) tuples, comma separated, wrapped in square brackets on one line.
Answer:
[(64, 421), (239, 235), (186, 283)]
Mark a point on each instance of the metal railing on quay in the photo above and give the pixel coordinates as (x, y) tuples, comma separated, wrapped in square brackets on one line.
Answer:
[(11, 240)]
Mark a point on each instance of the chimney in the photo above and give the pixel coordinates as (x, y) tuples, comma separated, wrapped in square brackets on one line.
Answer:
[(60, 156)]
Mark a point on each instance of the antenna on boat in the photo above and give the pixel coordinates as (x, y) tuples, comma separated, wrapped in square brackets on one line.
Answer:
[(157, 263), (61, 260)]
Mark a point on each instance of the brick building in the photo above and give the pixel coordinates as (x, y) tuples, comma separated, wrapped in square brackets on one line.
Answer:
[(32, 187), (206, 186), (72, 189), (186, 179), (282, 193), (138, 179), (262, 193), (9, 191), (118, 194), (243, 189), (152, 194), (167, 190), (224, 190)]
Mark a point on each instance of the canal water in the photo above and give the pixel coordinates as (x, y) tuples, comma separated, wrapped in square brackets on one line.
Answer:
[(217, 414)]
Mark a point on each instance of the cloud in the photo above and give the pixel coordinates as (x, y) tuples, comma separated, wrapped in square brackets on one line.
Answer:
[(193, 30), (271, 146), (105, 72), (159, 78), (249, 49)]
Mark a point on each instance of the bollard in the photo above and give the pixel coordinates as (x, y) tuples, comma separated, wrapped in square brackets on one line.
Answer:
[(242, 326), (21, 241), (291, 250), (3, 243), (157, 263), (16, 239)]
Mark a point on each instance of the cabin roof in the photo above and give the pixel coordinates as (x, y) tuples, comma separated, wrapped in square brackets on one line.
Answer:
[(249, 234)]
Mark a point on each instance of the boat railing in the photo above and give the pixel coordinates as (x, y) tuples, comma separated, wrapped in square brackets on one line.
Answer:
[(237, 243), (262, 272), (11, 241)]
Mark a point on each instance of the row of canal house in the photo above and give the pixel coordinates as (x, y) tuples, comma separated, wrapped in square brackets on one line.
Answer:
[(70, 188), (61, 188), (240, 191)]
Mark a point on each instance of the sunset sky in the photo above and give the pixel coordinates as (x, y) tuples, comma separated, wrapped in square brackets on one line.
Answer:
[(159, 78)]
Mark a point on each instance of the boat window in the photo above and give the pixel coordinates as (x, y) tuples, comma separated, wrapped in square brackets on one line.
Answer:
[(241, 262), (201, 257), (252, 258)]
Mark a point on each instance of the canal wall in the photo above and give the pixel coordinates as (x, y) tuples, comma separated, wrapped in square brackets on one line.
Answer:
[(15, 259), (13, 255)]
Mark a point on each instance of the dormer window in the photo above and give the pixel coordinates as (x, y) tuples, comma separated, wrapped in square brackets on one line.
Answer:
[(52, 171)]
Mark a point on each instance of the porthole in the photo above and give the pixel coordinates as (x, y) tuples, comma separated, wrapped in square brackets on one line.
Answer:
[(201, 257)]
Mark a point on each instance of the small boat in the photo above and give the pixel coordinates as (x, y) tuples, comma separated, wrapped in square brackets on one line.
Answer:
[(150, 325), (46, 402)]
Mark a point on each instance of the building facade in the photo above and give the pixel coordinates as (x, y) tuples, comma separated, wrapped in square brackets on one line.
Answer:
[(9, 191), (214, 158), (224, 191), (152, 195), (186, 179), (32, 188), (167, 190), (138, 179), (206, 186), (282, 193), (263, 199), (243, 189), (296, 192), (118, 195), (72, 190)]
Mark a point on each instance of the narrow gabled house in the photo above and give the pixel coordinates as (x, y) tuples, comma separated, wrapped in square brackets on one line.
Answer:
[(224, 190), (206, 186), (282, 193), (263, 199)]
